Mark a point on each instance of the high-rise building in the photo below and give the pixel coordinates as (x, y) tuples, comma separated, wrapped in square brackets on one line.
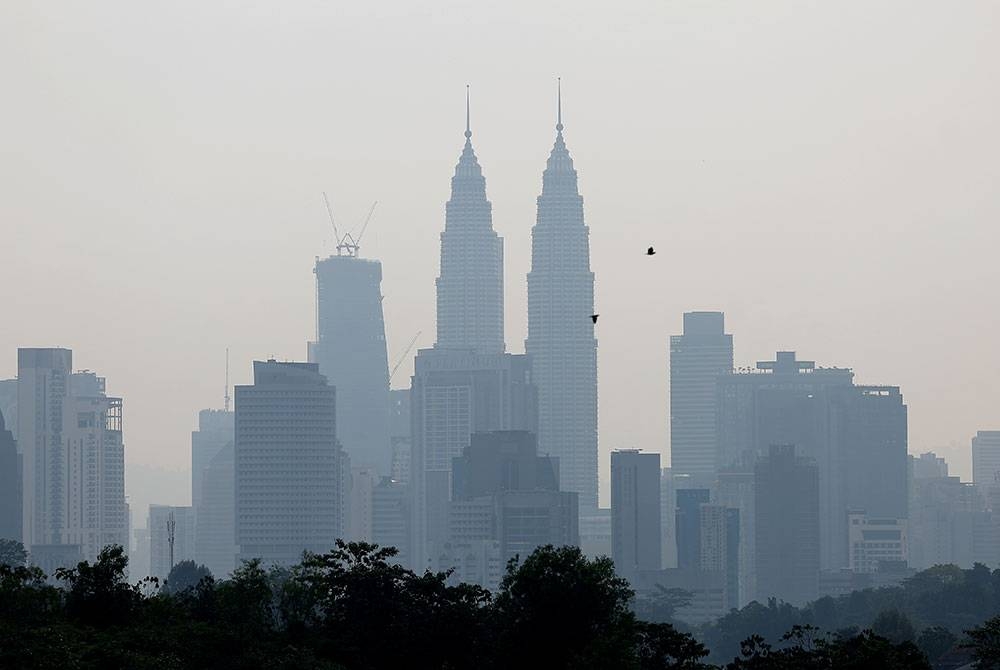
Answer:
[(874, 542), (505, 493), (697, 359), (289, 467), (986, 458), (73, 456), (635, 511), (351, 352), (10, 485), (688, 526), (170, 524), (399, 434), (391, 518), (470, 285), (215, 430), (855, 434), (42, 390), (213, 491), (720, 547), (8, 403), (360, 511), (561, 338), (787, 543), (455, 393)]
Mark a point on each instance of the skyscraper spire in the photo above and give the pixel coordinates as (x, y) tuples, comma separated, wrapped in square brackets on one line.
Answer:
[(559, 125), (468, 122), (470, 285)]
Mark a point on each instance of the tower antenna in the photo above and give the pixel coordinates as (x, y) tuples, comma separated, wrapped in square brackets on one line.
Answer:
[(226, 396), (559, 125), (468, 115)]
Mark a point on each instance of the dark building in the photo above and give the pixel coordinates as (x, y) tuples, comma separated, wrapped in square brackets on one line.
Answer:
[(506, 493), (855, 434), (635, 511), (213, 491), (10, 485), (391, 517), (351, 353), (688, 526), (786, 525), (289, 467)]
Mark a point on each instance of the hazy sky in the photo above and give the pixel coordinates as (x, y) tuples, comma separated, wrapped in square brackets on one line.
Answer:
[(824, 172)]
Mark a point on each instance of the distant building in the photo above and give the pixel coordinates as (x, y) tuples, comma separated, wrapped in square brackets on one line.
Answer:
[(697, 359), (928, 466), (636, 532), (51, 557), (164, 520), (399, 434), (668, 519), (986, 458), (363, 482), (213, 490), (735, 490), (873, 542), (561, 339), (595, 533), (391, 517), (688, 526), (787, 542), (505, 493), (944, 516), (857, 435), (720, 547), (351, 353), (10, 485), (289, 467), (8, 403), (455, 393)]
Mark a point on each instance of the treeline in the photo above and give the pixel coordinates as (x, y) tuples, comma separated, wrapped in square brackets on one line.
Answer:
[(354, 609), (933, 609)]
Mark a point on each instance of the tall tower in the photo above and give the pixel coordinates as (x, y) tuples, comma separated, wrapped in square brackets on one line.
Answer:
[(470, 286), (351, 353), (561, 339)]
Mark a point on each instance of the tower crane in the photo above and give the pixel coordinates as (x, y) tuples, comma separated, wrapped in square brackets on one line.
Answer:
[(399, 361)]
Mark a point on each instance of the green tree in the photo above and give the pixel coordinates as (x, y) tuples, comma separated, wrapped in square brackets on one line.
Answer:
[(661, 605), (185, 575), (935, 642), (984, 642), (12, 553), (660, 646), (98, 594), (894, 626), (558, 609)]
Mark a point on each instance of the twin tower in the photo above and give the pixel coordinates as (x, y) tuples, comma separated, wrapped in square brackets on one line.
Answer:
[(561, 345)]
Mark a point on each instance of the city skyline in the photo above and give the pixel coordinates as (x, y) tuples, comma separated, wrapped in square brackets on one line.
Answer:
[(683, 222)]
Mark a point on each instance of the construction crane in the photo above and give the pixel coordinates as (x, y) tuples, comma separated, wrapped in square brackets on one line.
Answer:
[(399, 361), (348, 244)]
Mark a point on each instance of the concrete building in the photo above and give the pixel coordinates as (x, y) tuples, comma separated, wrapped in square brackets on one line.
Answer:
[(986, 458), (595, 533), (688, 526), (874, 541), (561, 339), (697, 359), (213, 490), (636, 532), (786, 526), (945, 514), (8, 403), (363, 481), (289, 467), (10, 485), (470, 285), (351, 352), (455, 393), (857, 435), (164, 521), (399, 434), (391, 518), (720, 547), (505, 493)]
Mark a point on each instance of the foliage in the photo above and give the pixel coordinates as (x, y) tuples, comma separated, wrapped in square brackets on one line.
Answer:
[(12, 553), (185, 575), (662, 604), (984, 641)]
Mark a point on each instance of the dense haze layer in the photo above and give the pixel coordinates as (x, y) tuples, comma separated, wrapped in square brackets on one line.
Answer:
[(825, 173)]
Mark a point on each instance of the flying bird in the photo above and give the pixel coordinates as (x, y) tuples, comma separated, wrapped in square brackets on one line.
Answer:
[(593, 317), (650, 251)]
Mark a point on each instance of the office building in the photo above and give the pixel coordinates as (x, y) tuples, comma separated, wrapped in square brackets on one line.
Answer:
[(986, 458), (455, 393), (399, 434), (697, 359), (391, 517), (688, 526), (213, 490), (289, 467), (351, 352), (10, 485), (636, 532), (8, 404), (857, 435), (561, 340), (786, 525), (362, 486), (874, 542), (505, 493)]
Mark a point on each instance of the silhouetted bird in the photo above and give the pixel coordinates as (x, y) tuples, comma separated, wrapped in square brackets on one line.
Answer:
[(650, 251), (593, 317)]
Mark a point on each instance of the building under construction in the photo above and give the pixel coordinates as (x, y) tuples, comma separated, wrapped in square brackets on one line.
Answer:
[(351, 351)]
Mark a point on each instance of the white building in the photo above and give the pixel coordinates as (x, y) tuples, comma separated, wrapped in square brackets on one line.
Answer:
[(986, 458), (873, 540)]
